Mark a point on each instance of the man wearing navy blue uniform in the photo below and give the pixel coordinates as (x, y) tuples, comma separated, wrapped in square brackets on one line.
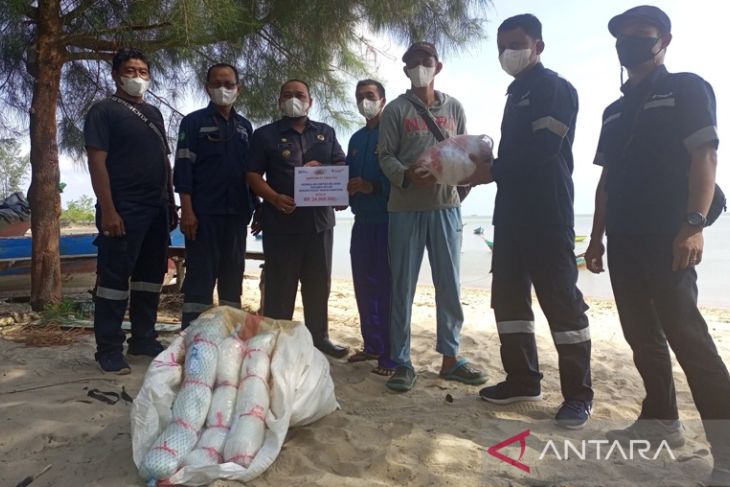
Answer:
[(297, 241), (658, 151), (369, 190), (533, 229), (210, 175), (130, 172)]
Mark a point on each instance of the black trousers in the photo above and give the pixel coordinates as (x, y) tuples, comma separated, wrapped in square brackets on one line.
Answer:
[(130, 268), (658, 309), (295, 258), (542, 256), (216, 255)]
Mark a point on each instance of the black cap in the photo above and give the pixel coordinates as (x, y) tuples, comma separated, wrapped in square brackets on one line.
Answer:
[(421, 46), (645, 13)]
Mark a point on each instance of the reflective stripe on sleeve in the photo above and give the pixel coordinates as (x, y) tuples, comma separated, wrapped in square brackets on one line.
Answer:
[(552, 124)]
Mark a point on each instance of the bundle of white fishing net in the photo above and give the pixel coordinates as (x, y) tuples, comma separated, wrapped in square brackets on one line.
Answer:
[(252, 403), (246, 392)]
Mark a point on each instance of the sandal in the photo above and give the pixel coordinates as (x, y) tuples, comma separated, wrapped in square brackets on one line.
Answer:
[(384, 371), (464, 373), (362, 356), (402, 380)]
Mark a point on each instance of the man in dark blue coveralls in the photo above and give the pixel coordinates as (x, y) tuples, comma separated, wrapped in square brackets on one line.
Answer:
[(130, 172), (297, 241), (210, 175), (533, 229), (658, 150)]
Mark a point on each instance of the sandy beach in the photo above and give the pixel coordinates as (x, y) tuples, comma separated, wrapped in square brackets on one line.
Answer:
[(437, 434)]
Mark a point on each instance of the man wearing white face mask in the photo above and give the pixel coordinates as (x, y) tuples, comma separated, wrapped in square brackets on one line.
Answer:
[(533, 229), (210, 175), (130, 172), (369, 190), (423, 215), (297, 240)]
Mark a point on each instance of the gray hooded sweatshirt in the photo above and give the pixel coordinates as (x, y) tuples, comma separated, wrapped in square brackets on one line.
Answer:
[(404, 135)]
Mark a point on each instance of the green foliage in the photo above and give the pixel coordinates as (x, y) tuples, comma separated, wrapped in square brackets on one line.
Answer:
[(321, 41), (66, 310), (13, 168), (80, 211)]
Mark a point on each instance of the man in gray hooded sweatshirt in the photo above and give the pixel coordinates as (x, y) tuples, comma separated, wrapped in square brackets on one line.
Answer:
[(423, 215)]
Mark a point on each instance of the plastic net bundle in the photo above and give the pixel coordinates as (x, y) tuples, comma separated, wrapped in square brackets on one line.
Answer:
[(209, 449), (217, 387), (217, 403), (452, 161), (189, 409), (252, 403)]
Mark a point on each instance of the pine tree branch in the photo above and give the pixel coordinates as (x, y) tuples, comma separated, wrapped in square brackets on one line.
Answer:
[(74, 14)]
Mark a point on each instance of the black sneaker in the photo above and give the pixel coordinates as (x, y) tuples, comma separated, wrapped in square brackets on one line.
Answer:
[(652, 430), (114, 363), (506, 393), (574, 414), (150, 348)]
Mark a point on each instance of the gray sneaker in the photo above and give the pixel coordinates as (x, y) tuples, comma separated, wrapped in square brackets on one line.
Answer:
[(652, 430)]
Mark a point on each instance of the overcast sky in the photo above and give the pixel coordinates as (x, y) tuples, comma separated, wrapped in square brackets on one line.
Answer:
[(579, 47)]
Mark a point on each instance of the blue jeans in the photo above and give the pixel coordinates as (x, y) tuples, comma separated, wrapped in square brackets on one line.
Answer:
[(410, 233)]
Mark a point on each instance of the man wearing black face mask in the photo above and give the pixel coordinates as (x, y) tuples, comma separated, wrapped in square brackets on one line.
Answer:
[(658, 150)]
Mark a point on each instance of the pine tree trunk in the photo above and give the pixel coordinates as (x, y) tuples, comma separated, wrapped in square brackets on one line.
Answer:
[(44, 195)]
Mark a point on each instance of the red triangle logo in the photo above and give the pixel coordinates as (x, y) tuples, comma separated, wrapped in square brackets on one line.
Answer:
[(521, 437)]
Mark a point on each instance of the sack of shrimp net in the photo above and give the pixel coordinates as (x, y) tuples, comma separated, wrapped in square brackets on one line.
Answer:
[(453, 160), (218, 402)]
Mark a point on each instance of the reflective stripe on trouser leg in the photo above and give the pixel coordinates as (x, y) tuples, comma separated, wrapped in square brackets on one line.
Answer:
[(571, 337), (515, 326), (149, 287)]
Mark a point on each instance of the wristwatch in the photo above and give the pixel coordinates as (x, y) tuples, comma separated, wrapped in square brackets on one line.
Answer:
[(695, 219)]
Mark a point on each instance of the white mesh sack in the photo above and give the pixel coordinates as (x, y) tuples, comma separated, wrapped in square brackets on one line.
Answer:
[(300, 392)]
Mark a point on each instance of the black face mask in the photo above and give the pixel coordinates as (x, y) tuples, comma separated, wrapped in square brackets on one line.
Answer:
[(633, 51)]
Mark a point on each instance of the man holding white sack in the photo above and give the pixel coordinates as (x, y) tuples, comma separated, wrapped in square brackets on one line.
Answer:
[(423, 215), (534, 238)]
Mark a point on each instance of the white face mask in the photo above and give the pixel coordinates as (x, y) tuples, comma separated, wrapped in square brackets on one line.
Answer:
[(223, 96), (421, 76), (294, 108), (514, 61), (369, 108), (134, 86)]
